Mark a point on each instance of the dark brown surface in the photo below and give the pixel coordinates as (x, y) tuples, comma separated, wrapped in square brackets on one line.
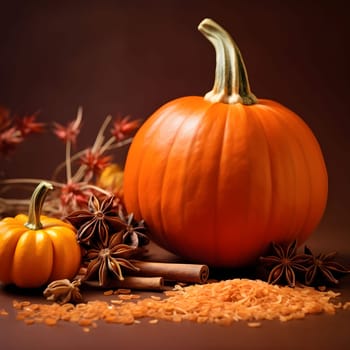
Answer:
[(130, 57), (314, 332)]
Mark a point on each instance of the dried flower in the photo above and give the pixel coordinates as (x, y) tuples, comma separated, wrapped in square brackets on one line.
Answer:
[(28, 125), (107, 261), (13, 131), (98, 221), (323, 268), (284, 263), (69, 132), (63, 291), (9, 139), (73, 196), (123, 127), (4, 118), (95, 162), (82, 168)]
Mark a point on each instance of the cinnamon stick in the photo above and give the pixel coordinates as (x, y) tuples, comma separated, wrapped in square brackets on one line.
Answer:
[(132, 282), (191, 273)]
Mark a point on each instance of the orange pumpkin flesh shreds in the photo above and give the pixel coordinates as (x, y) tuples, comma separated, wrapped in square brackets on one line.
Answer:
[(221, 303), (218, 178), (37, 249)]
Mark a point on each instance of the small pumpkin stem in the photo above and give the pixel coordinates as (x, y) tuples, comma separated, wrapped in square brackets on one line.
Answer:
[(231, 83), (36, 204)]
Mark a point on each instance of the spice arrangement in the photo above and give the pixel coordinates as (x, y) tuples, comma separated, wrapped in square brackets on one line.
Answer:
[(84, 173), (91, 227), (286, 266), (222, 303)]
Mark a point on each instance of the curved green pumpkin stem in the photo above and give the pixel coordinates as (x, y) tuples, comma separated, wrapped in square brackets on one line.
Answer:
[(231, 81), (36, 205)]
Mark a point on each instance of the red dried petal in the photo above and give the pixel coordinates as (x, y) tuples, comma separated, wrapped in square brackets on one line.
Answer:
[(69, 132), (4, 118), (9, 139), (124, 127), (28, 125), (95, 162)]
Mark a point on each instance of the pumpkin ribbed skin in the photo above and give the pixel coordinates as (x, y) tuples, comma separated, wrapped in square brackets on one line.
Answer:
[(36, 249), (217, 179), (33, 258), (217, 182)]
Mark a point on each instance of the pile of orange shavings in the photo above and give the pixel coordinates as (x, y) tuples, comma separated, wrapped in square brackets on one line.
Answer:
[(223, 303)]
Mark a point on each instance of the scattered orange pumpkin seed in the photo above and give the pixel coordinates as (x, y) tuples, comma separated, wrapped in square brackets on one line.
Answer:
[(29, 321), (50, 321), (254, 324), (108, 292), (346, 305), (85, 322), (123, 291), (3, 312), (128, 296)]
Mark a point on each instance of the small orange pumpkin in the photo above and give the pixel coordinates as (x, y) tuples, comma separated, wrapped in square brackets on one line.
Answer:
[(218, 178), (36, 249)]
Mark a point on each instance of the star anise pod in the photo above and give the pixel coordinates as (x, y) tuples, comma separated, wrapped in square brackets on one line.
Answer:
[(98, 221), (323, 268), (108, 261), (284, 263), (64, 291), (135, 233)]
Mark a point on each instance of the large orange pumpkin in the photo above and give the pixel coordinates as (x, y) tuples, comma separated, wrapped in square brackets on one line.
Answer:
[(218, 178)]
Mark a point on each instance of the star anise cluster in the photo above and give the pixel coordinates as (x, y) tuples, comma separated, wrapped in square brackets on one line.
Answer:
[(286, 266), (109, 238), (323, 267)]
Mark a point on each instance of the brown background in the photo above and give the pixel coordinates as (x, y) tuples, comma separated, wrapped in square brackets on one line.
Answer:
[(130, 57)]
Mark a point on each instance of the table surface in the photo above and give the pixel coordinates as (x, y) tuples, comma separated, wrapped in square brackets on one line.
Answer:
[(314, 332)]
